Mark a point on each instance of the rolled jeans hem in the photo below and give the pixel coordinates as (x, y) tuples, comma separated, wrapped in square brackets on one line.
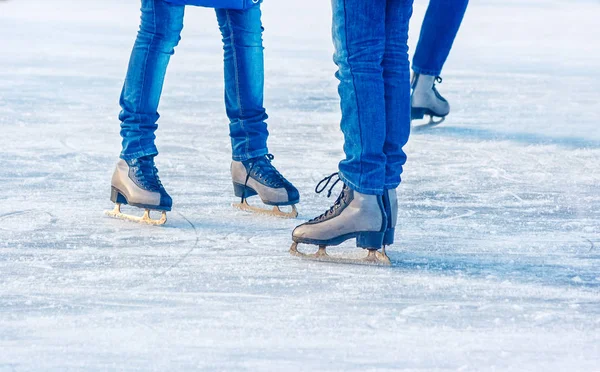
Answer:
[(250, 155), (391, 186), (362, 190), (139, 154), (423, 71)]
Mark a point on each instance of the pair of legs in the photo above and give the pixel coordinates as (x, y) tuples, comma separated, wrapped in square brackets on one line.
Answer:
[(438, 31), (371, 52), (159, 34), (135, 180)]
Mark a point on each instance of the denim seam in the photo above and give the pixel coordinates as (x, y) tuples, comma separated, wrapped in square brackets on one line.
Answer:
[(139, 104), (355, 92), (237, 81)]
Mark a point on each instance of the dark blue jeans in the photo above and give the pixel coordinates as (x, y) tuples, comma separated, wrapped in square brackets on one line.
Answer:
[(159, 34), (371, 51), (440, 26)]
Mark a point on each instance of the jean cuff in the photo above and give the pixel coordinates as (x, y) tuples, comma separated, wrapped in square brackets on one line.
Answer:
[(362, 190), (250, 155), (424, 71), (149, 152), (391, 186)]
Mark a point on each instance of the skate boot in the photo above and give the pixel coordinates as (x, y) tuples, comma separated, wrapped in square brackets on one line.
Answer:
[(353, 215), (426, 100), (135, 182), (390, 202), (257, 176)]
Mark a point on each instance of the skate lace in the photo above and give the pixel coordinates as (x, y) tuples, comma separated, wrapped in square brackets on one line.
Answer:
[(265, 171), (321, 186), (319, 189), (147, 174)]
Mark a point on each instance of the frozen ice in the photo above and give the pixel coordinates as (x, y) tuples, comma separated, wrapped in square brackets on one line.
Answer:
[(497, 260)]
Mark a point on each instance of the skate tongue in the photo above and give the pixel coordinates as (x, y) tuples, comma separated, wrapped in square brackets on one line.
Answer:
[(263, 169), (147, 173)]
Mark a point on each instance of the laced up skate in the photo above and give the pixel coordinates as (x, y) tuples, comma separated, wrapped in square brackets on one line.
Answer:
[(257, 176), (135, 182), (353, 215), (425, 100)]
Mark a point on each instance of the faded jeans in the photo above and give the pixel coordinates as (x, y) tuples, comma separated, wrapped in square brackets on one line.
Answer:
[(371, 52), (159, 34), (440, 26)]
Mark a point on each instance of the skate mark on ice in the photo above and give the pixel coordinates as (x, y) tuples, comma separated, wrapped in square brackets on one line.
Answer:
[(84, 144), (517, 197), (464, 215), (181, 259), (26, 220), (592, 247), (65, 143)]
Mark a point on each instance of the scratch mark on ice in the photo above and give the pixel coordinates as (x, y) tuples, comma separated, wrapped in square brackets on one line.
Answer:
[(591, 244), (182, 258)]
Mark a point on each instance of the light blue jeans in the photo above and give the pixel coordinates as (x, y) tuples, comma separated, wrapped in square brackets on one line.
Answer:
[(159, 34), (440, 26), (371, 52)]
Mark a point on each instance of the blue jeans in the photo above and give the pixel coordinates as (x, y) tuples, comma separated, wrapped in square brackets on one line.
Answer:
[(440, 26), (371, 52), (159, 34)]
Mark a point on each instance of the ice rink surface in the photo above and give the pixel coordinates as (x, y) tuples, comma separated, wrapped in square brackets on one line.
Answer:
[(497, 261)]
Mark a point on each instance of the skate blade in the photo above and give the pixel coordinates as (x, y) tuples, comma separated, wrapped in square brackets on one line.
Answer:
[(116, 213), (373, 258), (276, 211), (420, 125)]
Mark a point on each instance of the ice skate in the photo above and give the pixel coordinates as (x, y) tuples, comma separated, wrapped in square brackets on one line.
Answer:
[(353, 215), (135, 182), (258, 176), (425, 100)]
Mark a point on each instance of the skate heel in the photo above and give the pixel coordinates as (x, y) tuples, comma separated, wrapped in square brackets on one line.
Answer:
[(242, 191), (388, 238), (417, 113), (371, 240), (117, 197)]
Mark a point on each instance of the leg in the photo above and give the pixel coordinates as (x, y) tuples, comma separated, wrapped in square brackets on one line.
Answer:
[(359, 211), (359, 40), (396, 76), (251, 170), (244, 81), (135, 180), (161, 25), (440, 26)]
